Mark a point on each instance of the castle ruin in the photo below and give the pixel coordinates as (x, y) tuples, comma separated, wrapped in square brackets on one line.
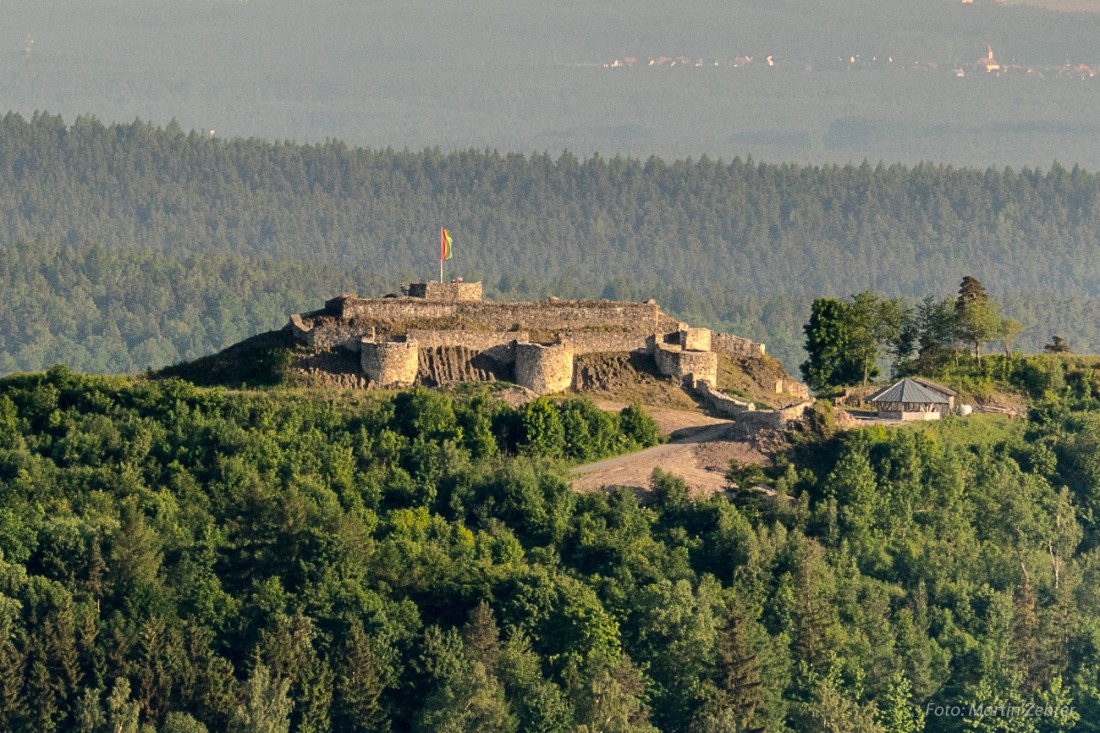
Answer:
[(441, 332)]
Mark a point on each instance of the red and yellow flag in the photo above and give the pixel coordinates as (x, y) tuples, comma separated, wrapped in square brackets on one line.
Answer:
[(444, 244)]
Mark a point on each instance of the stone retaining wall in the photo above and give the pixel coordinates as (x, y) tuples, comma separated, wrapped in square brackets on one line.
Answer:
[(722, 403)]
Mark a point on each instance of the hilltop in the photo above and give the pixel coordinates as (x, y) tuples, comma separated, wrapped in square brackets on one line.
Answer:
[(441, 335)]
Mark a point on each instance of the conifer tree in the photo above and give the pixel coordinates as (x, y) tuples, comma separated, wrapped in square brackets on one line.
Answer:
[(265, 706), (897, 713), (122, 712), (976, 317), (739, 671), (360, 684)]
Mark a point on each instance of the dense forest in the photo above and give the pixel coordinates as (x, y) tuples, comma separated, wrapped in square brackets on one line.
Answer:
[(179, 559), (237, 233)]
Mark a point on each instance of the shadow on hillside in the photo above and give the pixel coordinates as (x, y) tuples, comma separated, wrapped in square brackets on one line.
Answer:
[(258, 361)]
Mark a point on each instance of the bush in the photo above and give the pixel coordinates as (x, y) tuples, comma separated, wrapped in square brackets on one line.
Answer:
[(638, 426)]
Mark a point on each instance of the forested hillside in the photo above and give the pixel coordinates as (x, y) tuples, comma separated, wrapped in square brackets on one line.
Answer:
[(191, 559), (738, 245)]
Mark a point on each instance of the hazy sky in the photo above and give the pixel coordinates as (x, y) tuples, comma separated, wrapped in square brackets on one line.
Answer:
[(847, 80)]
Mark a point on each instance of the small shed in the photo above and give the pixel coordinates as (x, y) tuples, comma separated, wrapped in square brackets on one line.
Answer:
[(910, 399)]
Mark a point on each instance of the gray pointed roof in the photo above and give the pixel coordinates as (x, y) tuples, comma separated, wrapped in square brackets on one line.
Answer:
[(908, 390), (935, 387)]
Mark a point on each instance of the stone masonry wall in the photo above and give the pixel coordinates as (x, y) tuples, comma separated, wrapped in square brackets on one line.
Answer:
[(747, 419), (701, 366), (347, 335), (497, 345), (590, 342), (695, 339), (751, 422), (550, 315), (390, 363), (445, 291), (722, 403), (544, 369), (476, 340), (729, 345)]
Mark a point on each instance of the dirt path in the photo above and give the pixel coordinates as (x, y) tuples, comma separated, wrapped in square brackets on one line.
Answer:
[(699, 451)]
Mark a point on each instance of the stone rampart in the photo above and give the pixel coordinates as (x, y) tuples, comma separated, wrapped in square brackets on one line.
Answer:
[(497, 345), (733, 346), (695, 339), (699, 366), (548, 315), (722, 403), (466, 338), (747, 419), (331, 335), (449, 364), (448, 292), (751, 422), (475, 340), (390, 363), (544, 369), (594, 342)]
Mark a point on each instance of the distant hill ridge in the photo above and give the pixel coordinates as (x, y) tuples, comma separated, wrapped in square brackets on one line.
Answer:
[(736, 245)]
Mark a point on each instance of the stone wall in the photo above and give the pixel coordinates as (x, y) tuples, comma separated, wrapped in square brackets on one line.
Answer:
[(695, 339), (449, 292), (544, 369), (747, 419), (548, 315), (332, 335), (793, 388), (751, 422), (699, 366), (595, 342), (390, 363), (476, 340), (722, 403), (729, 345)]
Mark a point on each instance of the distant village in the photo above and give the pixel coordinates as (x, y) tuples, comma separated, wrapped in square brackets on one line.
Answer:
[(986, 64)]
